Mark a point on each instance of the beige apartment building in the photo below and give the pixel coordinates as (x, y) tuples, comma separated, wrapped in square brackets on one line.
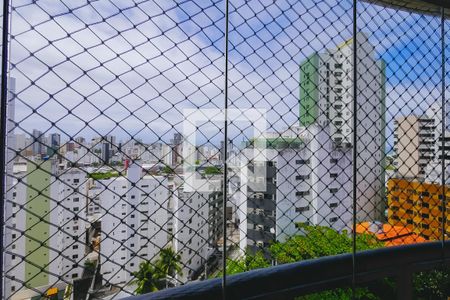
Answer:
[(415, 140)]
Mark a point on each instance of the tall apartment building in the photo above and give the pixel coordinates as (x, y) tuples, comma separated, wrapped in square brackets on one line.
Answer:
[(306, 180), (106, 152), (50, 211), (417, 206), (314, 185), (326, 100), (196, 226), (55, 143), (308, 169), (21, 142), (38, 142), (141, 215), (177, 149), (134, 220), (418, 144), (72, 198), (414, 145), (433, 173), (256, 200)]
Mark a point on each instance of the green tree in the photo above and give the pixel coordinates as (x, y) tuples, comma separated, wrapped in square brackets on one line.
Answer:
[(247, 262), (318, 241), (434, 284), (147, 278), (168, 170), (89, 267), (340, 294), (211, 170), (169, 263), (153, 276)]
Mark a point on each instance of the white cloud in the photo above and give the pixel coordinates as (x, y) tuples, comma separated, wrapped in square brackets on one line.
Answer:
[(152, 59)]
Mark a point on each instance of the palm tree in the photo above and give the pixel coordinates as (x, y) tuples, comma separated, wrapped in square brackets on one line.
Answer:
[(169, 263), (147, 278)]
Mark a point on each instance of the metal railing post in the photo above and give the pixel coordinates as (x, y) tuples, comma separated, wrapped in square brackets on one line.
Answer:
[(354, 146), (225, 157), (443, 116), (4, 102)]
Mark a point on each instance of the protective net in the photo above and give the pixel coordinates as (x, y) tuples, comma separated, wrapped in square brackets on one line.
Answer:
[(150, 144)]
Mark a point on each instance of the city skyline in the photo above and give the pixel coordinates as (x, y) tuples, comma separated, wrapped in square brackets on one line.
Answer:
[(401, 86)]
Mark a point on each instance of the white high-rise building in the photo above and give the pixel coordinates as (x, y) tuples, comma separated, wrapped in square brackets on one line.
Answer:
[(195, 228), (21, 142), (326, 100), (314, 184), (134, 223), (47, 228)]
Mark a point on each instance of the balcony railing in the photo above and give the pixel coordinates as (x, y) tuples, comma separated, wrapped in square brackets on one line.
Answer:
[(322, 274)]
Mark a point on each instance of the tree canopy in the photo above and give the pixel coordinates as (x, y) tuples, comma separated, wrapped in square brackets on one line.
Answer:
[(318, 241), (211, 170), (154, 276)]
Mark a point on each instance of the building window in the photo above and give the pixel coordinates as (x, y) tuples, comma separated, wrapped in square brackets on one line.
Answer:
[(302, 209), (297, 225), (334, 190), (302, 161), (304, 193)]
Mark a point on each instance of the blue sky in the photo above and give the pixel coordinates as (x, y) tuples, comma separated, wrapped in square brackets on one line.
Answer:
[(140, 63)]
